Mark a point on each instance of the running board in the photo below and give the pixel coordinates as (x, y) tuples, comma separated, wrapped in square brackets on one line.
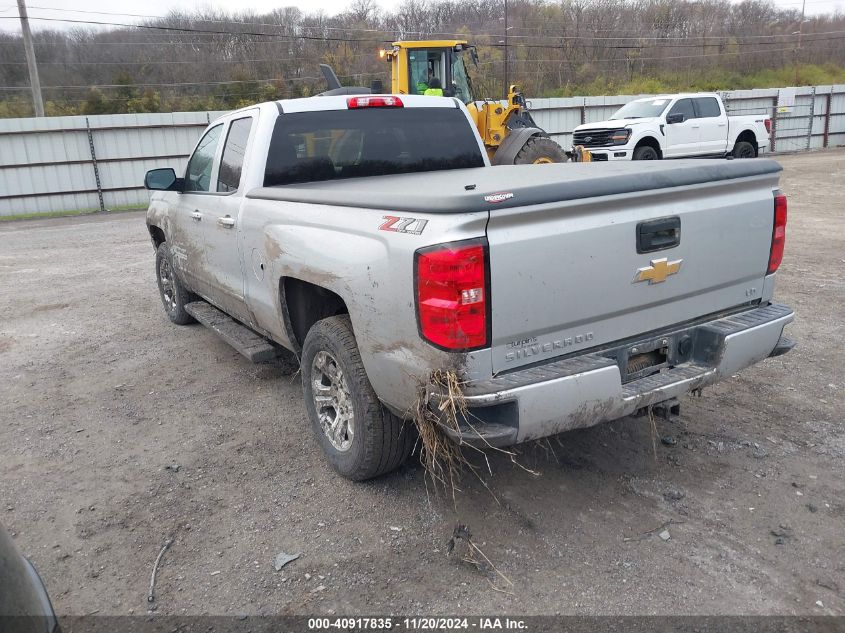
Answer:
[(239, 336)]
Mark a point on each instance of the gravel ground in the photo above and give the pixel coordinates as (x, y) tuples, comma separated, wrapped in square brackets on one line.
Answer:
[(100, 394)]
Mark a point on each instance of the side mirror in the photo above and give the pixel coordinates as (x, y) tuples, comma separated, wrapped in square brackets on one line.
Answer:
[(677, 117), (162, 180)]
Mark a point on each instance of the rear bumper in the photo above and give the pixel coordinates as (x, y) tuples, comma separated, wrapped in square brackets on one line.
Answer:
[(584, 390)]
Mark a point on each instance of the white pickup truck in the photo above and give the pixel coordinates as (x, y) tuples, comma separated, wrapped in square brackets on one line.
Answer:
[(674, 126), (370, 236)]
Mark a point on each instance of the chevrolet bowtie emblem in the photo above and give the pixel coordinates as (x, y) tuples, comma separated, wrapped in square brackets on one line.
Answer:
[(659, 270)]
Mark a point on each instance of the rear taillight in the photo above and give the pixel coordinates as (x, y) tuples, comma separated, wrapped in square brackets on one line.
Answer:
[(452, 295), (778, 234), (374, 102), (768, 124)]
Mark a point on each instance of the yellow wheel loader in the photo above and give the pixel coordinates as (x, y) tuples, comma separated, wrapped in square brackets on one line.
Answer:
[(509, 132)]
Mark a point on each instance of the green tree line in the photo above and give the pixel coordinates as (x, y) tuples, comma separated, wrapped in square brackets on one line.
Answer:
[(210, 60)]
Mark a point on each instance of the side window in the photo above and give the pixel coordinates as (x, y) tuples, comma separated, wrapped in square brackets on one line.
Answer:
[(198, 173), (683, 106), (707, 107), (232, 161), (423, 66)]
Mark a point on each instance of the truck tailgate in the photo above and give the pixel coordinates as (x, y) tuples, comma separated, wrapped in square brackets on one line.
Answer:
[(567, 275)]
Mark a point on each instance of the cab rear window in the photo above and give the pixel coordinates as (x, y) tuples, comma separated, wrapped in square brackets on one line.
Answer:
[(329, 145)]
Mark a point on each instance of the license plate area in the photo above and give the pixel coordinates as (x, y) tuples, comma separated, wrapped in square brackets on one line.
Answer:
[(647, 357), (640, 365)]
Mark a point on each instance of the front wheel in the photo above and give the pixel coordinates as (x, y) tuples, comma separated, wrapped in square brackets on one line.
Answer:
[(174, 296), (360, 438), (646, 152), (744, 149), (539, 150)]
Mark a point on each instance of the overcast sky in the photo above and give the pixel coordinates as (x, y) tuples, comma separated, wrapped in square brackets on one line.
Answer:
[(75, 9)]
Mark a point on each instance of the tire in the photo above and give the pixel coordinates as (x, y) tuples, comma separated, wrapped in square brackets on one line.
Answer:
[(379, 442), (646, 152), (174, 296), (744, 149), (539, 150)]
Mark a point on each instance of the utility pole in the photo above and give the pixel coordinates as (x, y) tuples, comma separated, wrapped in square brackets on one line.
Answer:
[(800, 33), (506, 48), (30, 60)]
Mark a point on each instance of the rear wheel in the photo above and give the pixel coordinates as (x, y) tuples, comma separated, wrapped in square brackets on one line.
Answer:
[(646, 152), (174, 296), (539, 150), (744, 149), (360, 438)]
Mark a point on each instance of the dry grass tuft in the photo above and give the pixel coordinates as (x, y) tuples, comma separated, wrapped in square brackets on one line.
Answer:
[(443, 459)]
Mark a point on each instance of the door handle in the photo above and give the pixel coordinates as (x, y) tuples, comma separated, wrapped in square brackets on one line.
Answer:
[(226, 222), (196, 215), (695, 127)]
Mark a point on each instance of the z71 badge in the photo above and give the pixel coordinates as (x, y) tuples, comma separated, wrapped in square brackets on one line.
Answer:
[(414, 226)]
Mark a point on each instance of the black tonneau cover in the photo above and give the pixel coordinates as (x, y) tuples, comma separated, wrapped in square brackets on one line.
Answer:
[(470, 190)]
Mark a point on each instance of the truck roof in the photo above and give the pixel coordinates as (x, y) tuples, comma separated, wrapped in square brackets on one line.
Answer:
[(679, 95), (340, 102)]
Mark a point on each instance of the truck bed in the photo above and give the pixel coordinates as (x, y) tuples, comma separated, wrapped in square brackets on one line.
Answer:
[(464, 190)]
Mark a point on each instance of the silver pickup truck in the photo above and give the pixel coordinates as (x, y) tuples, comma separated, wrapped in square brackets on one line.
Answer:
[(370, 236)]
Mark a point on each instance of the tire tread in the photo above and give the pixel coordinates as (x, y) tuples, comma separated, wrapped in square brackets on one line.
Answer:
[(540, 146), (393, 441), (179, 316)]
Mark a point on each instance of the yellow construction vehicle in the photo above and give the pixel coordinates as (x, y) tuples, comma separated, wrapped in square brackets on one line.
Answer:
[(509, 132)]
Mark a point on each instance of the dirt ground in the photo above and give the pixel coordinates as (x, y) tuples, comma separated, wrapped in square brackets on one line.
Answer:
[(100, 393)]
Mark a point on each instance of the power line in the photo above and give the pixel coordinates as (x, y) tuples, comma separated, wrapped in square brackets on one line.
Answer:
[(334, 28), (809, 39), (248, 22), (672, 37), (275, 60), (667, 46), (635, 59), (98, 44), (369, 74), (157, 62), (372, 41), (193, 83), (164, 97), (210, 31)]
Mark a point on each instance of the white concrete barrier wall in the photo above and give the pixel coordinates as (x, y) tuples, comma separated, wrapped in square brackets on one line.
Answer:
[(47, 165)]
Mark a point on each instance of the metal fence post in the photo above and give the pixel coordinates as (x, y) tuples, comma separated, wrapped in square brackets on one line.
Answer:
[(94, 163), (826, 140), (773, 135), (812, 116)]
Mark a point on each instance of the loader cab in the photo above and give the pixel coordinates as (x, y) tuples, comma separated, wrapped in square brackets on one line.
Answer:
[(414, 64)]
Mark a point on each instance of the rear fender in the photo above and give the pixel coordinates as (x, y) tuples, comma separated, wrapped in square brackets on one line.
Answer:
[(371, 270)]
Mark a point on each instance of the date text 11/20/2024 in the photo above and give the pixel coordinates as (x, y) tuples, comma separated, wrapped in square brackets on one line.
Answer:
[(480, 623)]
